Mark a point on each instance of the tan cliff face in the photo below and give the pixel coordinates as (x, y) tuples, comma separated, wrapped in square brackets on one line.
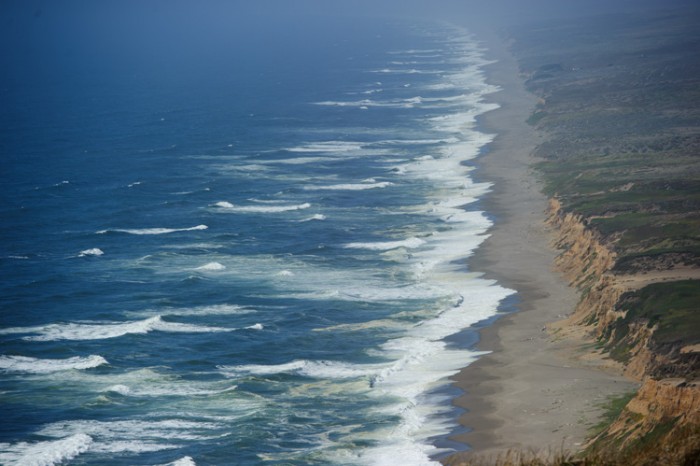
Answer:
[(586, 263), (583, 259), (661, 407)]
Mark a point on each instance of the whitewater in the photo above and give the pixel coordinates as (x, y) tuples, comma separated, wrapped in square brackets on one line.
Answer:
[(261, 258)]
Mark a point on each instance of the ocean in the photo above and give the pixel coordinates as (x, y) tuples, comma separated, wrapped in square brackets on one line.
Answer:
[(243, 246)]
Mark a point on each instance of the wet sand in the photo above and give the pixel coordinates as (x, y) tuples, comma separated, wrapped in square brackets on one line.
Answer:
[(531, 392)]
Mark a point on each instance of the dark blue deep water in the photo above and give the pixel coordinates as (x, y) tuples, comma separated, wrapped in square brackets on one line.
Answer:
[(236, 245)]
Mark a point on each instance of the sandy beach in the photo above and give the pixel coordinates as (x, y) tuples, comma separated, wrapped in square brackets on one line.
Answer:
[(531, 392)]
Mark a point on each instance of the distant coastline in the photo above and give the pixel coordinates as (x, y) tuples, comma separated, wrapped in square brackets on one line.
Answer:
[(565, 359)]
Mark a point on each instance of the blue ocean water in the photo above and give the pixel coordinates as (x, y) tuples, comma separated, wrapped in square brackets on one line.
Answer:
[(214, 252)]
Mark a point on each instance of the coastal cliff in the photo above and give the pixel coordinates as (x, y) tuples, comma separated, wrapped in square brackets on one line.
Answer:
[(664, 407), (615, 107), (619, 164)]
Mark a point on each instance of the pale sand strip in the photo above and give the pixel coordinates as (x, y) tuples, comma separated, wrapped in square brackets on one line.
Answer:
[(530, 393)]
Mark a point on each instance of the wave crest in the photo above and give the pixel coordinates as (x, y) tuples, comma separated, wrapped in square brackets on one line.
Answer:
[(261, 209), (409, 243), (46, 366), (94, 252), (46, 453), (151, 231), (101, 331)]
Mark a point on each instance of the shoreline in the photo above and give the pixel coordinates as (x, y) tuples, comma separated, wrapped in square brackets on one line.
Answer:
[(529, 393)]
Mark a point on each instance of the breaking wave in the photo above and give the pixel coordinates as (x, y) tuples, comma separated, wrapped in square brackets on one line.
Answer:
[(151, 231), (45, 366)]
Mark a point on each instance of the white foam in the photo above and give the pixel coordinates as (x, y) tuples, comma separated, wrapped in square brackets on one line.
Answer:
[(414, 142), (228, 207), (166, 388), (368, 291), (393, 451), (212, 267), (100, 331), (46, 453), (418, 359), (350, 186), (328, 147), (440, 86), (94, 252), (184, 461), (406, 71), (409, 243), (315, 369), (152, 231), (298, 160), (224, 205), (314, 217), (119, 388), (45, 366), (194, 246), (412, 373), (367, 103), (413, 51), (132, 446), (216, 309), (134, 435), (151, 383)]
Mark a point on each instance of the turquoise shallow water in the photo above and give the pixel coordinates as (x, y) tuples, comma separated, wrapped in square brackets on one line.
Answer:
[(215, 256)]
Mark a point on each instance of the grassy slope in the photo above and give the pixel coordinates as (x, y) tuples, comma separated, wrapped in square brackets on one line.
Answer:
[(621, 106), (620, 103)]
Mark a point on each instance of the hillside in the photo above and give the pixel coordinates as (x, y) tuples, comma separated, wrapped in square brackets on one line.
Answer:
[(619, 108)]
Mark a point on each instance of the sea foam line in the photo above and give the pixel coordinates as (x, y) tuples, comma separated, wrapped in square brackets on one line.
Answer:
[(45, 366), (151, 231), (328, 147), (184, 461), (134, 435), (225, 206), (214, 309), (409, 243), (350, 186), (167, 389), (47, 453), (100, 331)]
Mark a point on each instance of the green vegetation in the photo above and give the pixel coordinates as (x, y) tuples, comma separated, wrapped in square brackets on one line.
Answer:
[(612, 409), (674, 307), (672, 310), (620, 106), (536, 117), (620, 103)]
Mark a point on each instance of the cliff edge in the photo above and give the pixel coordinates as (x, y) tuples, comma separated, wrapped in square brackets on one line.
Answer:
[(619, 106)]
